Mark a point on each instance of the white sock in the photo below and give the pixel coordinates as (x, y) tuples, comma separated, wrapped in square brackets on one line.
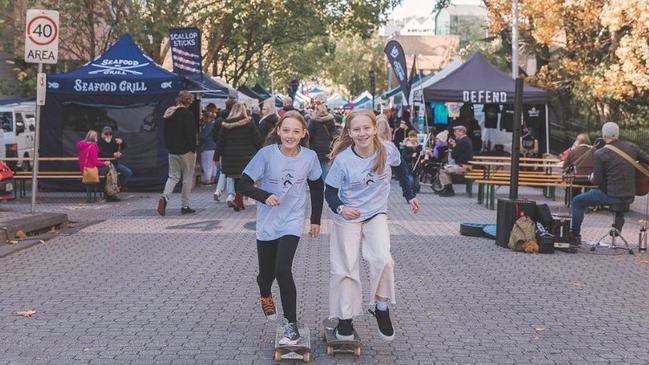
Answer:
[(382, 306)]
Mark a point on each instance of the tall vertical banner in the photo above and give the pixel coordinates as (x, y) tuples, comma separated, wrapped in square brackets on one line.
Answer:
[(397, 59), (186, 52)]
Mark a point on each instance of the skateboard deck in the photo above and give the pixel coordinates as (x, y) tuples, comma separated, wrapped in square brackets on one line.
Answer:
[(334, 345), (299, 351)]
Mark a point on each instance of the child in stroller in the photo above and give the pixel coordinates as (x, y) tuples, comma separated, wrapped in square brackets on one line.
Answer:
[(431, 159)]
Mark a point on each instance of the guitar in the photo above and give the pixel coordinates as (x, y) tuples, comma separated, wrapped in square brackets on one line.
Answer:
[(642, 180), (641, 174)]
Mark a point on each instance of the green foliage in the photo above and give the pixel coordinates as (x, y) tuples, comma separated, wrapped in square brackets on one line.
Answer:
[(352, 61), (270, 41)]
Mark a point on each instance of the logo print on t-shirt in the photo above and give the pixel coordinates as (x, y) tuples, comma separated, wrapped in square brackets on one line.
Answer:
[(369, 178), (287, 180)]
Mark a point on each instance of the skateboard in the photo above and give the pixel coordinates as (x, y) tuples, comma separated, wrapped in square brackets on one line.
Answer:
[(334, 345), (299, 351)]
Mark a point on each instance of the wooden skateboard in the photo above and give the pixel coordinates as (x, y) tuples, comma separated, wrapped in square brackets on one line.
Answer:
[(334, 345), (299, 351)]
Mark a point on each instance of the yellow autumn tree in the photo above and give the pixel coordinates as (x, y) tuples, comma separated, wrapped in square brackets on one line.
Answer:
[(591, 51)]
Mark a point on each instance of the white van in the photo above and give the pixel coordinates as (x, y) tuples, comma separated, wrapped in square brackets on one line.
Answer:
[(17, 121)]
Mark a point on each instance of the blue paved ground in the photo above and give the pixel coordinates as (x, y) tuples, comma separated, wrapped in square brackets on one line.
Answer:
[(139, 289)]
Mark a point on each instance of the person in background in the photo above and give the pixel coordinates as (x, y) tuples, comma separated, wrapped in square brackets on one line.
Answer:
[(110, 147), (89, 157), (322, 129), (223, 183), (269, 117), (411, 149), (614, 175), (440, 151), (239, 140), (400, 133), (461, 153), (287, 105), (529, 144), (579, 161), (254, 113), (180, 140), (207, 146)]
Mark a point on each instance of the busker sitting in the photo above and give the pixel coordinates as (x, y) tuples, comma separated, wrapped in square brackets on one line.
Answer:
[(461, 154), (612, 173)]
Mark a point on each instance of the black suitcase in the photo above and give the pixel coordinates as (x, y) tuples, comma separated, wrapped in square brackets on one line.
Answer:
[(507, 215)]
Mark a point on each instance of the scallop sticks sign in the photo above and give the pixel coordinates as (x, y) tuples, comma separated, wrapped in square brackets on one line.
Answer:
[(186, 51), (42, 36)]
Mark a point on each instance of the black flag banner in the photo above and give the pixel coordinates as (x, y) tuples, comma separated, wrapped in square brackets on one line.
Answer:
[(186, 51), (397, 59)]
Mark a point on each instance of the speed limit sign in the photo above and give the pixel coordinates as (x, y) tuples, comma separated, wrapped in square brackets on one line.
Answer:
[(42, 36)]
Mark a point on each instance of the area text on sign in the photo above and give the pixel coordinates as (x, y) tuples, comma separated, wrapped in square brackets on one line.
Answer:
[(42, 36)]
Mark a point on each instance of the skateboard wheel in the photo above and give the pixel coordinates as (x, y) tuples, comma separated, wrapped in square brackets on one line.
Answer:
[(357, 352), (330, 350), (307, 357), (278, 356)]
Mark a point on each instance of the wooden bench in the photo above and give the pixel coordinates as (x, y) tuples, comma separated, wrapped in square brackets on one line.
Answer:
[(21, 176), (492, 171)]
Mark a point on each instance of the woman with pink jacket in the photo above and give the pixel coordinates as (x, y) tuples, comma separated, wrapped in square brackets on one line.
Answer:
[(89, 156)]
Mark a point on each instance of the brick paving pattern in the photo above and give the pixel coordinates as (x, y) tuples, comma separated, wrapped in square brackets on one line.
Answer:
[(135, 288)]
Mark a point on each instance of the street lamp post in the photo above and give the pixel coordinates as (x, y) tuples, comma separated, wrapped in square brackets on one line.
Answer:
[(373, 86)]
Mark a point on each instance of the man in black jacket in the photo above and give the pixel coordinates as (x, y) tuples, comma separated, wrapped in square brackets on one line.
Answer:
[(110, 147), (614, 175), (180, 139), (462, 153)]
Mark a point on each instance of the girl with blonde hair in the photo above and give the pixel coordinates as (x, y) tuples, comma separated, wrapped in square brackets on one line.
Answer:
[(357, 190), (284, 169)]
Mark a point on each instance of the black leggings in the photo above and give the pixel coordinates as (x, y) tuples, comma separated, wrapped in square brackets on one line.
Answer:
[(276, 262)]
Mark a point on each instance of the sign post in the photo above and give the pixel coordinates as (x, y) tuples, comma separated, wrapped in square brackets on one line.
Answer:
[(41, 46)]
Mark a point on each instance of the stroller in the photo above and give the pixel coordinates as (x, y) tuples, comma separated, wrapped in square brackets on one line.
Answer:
[(425, 169), (427, 172)]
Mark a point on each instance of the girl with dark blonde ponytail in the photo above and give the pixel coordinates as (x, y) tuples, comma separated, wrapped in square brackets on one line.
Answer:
[(357, 190)]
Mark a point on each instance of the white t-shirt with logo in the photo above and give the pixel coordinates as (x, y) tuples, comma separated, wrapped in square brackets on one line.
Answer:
[(285, 177), (358, 186)]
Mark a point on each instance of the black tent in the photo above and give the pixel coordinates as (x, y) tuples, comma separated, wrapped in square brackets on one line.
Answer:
[(479, 82)]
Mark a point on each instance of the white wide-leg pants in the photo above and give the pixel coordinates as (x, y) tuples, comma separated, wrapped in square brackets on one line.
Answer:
[(346, 241)]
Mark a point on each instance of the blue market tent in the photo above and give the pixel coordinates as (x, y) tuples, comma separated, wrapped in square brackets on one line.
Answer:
[(211, 89), (124, 89), (265, 94), (250, 93)]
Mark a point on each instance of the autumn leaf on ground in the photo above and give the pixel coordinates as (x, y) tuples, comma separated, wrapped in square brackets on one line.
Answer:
[(27, 313), (20, 234), (539, 329), (53, 229)]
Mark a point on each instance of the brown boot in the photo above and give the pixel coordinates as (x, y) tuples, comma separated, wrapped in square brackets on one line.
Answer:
[(238, 202)]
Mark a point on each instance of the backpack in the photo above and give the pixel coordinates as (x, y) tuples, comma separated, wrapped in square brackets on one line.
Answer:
[(523, 236), (112, 188)]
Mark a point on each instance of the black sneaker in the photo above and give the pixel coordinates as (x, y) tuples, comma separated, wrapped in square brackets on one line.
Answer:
[(187, 210), (385, 325), (112, 198), (291, 335), (162, 206), (575, 239), (447, 192), (344, 331)]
